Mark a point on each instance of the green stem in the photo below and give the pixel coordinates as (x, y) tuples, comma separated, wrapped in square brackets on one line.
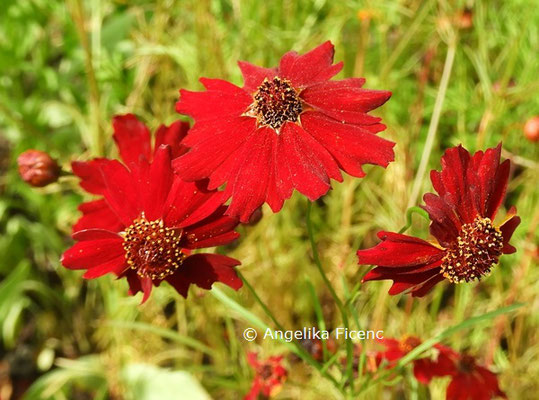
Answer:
[(349, 345), (433, 126), (300, 350)]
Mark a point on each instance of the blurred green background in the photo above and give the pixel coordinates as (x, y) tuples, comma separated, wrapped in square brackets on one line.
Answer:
[(460, 72)]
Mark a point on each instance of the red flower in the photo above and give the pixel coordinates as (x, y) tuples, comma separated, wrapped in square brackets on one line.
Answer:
[(470, 191), (270, 375), (424, 368), (148, 220), (287, 128), (37, 168), (470, 381)]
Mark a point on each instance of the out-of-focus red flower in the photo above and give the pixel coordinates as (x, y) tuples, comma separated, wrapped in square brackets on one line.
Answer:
[(531, 129), (464, 19), (147, 220), (270, 376), (469, 380), (424, 368), (37, 168), (468, 243), (287, 128)]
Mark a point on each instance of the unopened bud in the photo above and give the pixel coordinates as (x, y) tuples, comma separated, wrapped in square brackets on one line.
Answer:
[(531, 129), (37, 168)]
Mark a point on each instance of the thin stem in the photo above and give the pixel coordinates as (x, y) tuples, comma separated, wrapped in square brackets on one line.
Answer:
[(79, 19), (349, 345), (433, 127), (301, 352)]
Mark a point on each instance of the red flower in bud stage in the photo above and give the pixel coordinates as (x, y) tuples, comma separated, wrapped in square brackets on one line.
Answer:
[(270, 376), (148, 220), (287, 128), (37, 168), (531, 129), (470, 192)]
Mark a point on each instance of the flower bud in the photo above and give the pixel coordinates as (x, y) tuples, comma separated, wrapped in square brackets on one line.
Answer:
[(531, 129), (37, 168)]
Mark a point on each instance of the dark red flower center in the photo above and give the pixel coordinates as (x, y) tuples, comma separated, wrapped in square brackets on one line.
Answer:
[(475, 252), (408, 343), (266, 371), (275, 102), (466, 364), (152, 249)]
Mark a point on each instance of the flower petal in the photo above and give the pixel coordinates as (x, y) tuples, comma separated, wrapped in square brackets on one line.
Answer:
[(398, 250), (254, 75), (156, 192), (90, 174), (173, 136), (132, 138), (350, 145), (97, 214), (214, 230), (345, 96), (206, 269), (121, 192), (309, 68), (92, 253)]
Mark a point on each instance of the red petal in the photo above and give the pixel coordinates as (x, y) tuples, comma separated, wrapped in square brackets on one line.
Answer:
[(179, 282), (146, 285), (206, 269), (132, 138), (405, 282), (445, 226), (345, 96), (426, 287), (314, 66), (173, 136), (116, 265), (121, 192), (251, 179), (232, 100), (90, 174), (309, 164), (496, 196), (97, 214), (92, 253), (190, 202), (159, 185), (95, 234), (253, 75), (507, 230), (213, 231), (351, 145), (455, 163), (398, 250), (211, 145)]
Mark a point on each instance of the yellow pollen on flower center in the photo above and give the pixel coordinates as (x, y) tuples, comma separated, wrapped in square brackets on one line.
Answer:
[(275, 102), (152, 249), (476, 251)]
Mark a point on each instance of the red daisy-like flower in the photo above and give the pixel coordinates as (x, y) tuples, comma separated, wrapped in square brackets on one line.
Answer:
[(149, 220), (470, 381), (287, 128), (468, 242), (270, 376), (424, 368)]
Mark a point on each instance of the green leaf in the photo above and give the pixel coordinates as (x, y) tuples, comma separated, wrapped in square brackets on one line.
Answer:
[(147, 382)]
